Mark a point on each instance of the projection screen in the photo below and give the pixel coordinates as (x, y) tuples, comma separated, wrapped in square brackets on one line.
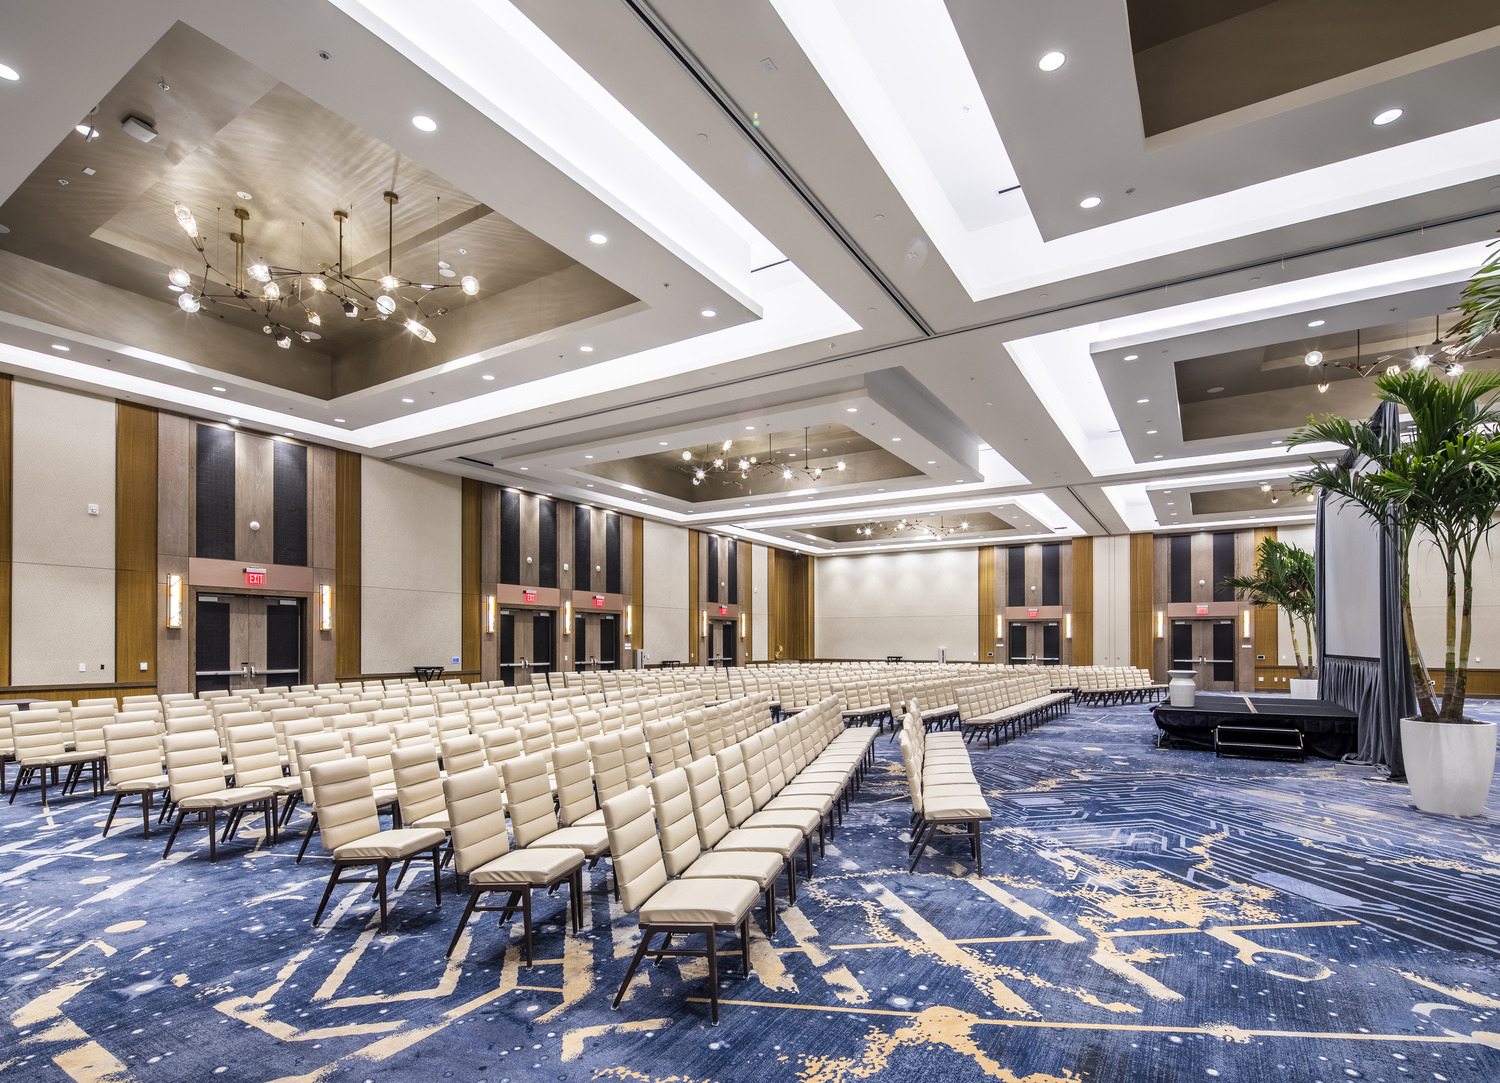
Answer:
[(1351, 566)]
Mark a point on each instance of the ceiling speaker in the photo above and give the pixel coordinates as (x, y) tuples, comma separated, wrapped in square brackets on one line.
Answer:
[(137, 128)]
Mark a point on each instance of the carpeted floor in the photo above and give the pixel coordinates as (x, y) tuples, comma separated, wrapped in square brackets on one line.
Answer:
[(1145, 915)]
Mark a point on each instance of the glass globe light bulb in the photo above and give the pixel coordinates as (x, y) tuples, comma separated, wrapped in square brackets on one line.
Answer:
[(178, 277)]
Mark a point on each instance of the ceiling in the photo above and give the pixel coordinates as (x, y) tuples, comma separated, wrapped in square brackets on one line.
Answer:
[(821, 215)]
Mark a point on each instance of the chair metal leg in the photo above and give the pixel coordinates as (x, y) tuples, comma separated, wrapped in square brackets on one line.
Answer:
[(176, 826), (437, 875), (745, 943), (526, 924), (385, 867), (402, 874), (312, 825), (640, 952), (333, 879), (113, 808), (713, 978), (145, 814), (474, 894), (213, 823)]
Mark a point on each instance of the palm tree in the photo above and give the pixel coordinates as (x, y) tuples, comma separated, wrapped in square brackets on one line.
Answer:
[(1286, 576), (1440, 482)]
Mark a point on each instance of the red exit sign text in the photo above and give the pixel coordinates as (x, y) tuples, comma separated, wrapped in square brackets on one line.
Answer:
[(528, 595), (598, 602), (255, 579), (723, 611)]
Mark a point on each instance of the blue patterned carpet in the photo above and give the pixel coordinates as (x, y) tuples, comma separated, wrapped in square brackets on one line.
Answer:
[(1145, 916)]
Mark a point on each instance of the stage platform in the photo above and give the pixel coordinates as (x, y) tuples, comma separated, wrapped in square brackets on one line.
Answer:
[(1327, 729)]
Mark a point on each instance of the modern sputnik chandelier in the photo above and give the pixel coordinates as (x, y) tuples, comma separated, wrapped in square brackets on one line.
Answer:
[(286, 294), (722, 461), (916, 529)]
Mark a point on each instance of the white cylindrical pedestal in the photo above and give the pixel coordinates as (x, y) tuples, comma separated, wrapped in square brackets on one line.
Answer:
[(1183, 687)]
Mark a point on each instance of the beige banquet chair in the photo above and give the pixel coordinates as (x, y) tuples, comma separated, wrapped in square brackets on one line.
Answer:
[(195, 769), (133, 756), (349, 827)]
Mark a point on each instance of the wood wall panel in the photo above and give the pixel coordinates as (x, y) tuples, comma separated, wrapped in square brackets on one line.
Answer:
[(174, 541), (986, 629), (637, 566), (1266, 620), (346, 587), (135, 542), (470, 547), (1142, 560), (695, 596), (790, 602), (746, 568), (1082, 644), (254, 474), (322, 548), (489, 578), (7, 512)]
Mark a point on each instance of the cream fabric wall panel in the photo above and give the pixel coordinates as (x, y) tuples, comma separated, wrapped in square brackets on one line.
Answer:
[(664, 616), (760, 614), (1112, 601), (911, 604), (63, 591), (411, 598), (1429, 600)]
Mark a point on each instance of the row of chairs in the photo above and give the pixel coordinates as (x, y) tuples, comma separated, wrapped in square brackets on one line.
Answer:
[(1006, 708), (944, 791)]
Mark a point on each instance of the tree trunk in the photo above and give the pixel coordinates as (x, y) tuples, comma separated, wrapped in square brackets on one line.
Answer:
[(1296, 650), (1423, 690), (1465, 635), (1450, 676), (1312, 649)]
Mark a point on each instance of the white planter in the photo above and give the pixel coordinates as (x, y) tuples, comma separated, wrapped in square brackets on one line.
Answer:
[(1449, 766), (1304, 689), (1183, 687)]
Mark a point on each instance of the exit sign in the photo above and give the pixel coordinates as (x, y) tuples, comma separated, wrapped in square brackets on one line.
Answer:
[(1203, 611), (255, 577), (723, 611), (528, 595), (1033, 613), (598, 601)]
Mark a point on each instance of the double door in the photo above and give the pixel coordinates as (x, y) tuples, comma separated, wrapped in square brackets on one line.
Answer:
[(722, 642), (528, 645), (1034, 643), (1207, 646), (249, 641)]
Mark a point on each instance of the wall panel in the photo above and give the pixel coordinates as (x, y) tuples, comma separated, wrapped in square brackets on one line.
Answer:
[(664, 615), (63, 558), (1142, 559), (760, 624), (411, 590), (1082, 601), (347, 621), (912, 604), (135, 543)]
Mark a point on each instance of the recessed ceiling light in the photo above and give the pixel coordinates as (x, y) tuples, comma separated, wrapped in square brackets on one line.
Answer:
[(1275, 441), (1388, 116), (749, 428), (851, 409), (60, 348), (585, 349), (931, 462), (234, 421), (1156, 456), (895, 439), (1171, 503), (1214, 390), (663, 443), (1132, 357), (218, 389), (598, 238), (1317, 323), (9, 73), (708, 313), (1142, 402), (1051, 61), (338, 421), (486, 376), (244, 195), (1088, 203), (423, 123), (88, 131), (1150, 432), (287, 434), (407, 400), (588, 456), (525, 468)]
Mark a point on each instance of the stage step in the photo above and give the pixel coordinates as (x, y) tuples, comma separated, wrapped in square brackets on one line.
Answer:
[(1251, 741)]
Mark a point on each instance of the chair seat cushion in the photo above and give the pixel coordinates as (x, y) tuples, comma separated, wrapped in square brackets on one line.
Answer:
[(774, 840), (230, 798), (537, 867), (143, 785), (699, 902), (591, 840), (58, 759), (280, 786), (438, 820), (756, 865), (785, 801), (390, 845), (804, 820), (593, 819), (972, 807)]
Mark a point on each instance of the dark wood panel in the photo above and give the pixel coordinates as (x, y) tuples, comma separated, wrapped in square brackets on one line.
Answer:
[(1082, 645), (135, 542), (7, 515), (347, 573), (470, 545), (1267, 620), (1142, 560), (986, 629), (72, 693), (695, 620), (637, 578), (791, 605)]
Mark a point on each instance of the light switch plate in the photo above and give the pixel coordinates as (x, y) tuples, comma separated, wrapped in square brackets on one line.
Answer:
[(145, 666), (82, 666), (93, 509)]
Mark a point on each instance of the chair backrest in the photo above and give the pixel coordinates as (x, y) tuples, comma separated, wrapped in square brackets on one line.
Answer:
[(419, 785), (708, 801), (132, 752), (679, 842), (634, 848), (575, 784), (345, 801), (528, 799), (462, 752), (325, 746), (254, 754), (291, 729), (194, 763), (476, 817)]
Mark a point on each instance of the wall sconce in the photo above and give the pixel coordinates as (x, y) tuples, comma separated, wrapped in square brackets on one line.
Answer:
[(1245, 624), (742, 626), (629, 610), (567, 628), (999, 628), (705, 624), (1161, 624), (1067, 626), (174, 601), (325, 608), (489, 614)]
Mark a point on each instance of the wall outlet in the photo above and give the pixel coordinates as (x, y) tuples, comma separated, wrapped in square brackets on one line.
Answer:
[(145, 666), (82, 667), (93, 509)]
